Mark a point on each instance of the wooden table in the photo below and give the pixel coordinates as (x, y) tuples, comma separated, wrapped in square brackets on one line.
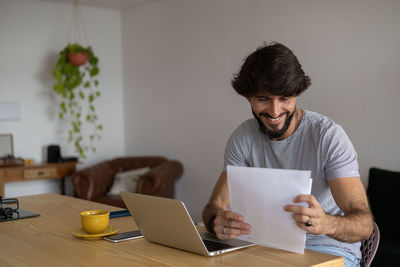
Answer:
[(35, 172), (47, 240)]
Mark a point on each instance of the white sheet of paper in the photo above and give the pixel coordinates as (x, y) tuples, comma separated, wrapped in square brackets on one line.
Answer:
[(259, 194)]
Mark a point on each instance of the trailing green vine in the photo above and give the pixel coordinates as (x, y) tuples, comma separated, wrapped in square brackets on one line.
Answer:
[(77, 87)]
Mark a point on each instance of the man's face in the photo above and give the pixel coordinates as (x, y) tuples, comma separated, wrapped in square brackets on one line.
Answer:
[(274, 114)]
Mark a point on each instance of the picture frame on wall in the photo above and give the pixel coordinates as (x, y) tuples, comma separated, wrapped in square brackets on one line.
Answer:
[(6, 146)]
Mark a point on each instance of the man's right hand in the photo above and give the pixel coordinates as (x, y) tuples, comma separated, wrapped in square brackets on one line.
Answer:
[(228, 225)]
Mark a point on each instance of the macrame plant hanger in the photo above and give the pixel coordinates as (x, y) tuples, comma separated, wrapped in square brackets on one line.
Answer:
[(77, 35), (77, 31)]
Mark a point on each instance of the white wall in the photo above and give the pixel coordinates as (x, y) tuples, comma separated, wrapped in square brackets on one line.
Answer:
[(179, 57), (31, 35)]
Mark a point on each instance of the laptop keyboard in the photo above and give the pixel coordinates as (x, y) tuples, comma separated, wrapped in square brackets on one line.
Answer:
[(215, 246)]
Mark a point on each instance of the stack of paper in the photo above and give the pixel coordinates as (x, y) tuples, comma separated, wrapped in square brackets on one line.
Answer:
[(259, 194)]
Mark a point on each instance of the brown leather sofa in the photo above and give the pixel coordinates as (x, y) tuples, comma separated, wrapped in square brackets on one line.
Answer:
[(94, 182)]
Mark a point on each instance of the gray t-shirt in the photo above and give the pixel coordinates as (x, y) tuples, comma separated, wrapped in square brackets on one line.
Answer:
[(318, 144)]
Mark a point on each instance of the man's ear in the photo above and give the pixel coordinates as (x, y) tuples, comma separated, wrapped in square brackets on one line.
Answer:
[(248, 98)]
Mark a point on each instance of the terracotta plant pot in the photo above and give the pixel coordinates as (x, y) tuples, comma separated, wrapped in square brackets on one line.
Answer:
[(78, 59)]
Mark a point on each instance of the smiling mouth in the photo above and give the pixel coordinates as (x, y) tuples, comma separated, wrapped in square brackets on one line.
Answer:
[(271, 118)]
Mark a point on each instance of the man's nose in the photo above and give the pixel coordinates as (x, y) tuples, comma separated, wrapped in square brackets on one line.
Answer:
[(274, 109)]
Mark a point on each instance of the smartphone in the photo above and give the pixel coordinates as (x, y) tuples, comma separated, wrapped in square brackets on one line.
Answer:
[(124, 236)]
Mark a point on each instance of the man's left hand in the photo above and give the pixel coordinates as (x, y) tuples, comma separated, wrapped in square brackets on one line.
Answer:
[(312, 219)]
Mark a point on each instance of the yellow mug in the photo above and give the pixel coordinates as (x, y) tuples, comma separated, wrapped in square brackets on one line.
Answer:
[(95, 221)]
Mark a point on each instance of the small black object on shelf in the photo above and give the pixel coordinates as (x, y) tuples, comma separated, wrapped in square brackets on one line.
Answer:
[(54, 155)]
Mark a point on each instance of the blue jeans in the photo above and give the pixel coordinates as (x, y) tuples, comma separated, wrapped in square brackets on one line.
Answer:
[(349, 259)]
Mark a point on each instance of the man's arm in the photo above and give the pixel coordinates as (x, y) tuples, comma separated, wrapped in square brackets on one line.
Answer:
[(349, 194), (226, 224)]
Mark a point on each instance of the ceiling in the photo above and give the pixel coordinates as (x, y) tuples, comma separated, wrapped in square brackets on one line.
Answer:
[(118, 4)]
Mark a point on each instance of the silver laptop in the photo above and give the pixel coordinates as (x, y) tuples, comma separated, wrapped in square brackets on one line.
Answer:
[(167, 222)]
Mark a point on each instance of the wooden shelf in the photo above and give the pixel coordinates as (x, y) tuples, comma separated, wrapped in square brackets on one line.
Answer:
[(36, 172)]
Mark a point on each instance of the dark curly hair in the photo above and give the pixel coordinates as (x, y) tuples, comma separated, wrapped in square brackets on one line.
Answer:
[(273, 69)]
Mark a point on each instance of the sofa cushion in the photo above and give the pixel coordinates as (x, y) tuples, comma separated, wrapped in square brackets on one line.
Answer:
[(383, 191), (127, 180)]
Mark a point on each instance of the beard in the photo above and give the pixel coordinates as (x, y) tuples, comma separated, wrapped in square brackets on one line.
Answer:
[(273, 133)]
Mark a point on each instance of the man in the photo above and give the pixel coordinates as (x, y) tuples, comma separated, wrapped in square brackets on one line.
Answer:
[(281, 135)]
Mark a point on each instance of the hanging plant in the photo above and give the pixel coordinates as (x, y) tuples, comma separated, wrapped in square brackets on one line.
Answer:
[(75, 73)]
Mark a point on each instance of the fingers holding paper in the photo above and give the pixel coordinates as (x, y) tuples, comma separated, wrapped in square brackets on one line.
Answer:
[(312, 219), (229, 225)]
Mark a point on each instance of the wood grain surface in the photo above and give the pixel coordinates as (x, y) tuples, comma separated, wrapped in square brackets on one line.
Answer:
[(47, 240)]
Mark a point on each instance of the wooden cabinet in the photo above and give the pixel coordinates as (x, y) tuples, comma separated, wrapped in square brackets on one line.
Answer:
[(35, 172)]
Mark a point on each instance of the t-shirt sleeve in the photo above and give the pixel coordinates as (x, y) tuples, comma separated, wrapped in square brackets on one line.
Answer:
[(235, 154), (340, 155)]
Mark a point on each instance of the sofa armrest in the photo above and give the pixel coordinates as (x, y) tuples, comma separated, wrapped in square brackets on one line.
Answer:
[(94, 181), (159, 177)]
